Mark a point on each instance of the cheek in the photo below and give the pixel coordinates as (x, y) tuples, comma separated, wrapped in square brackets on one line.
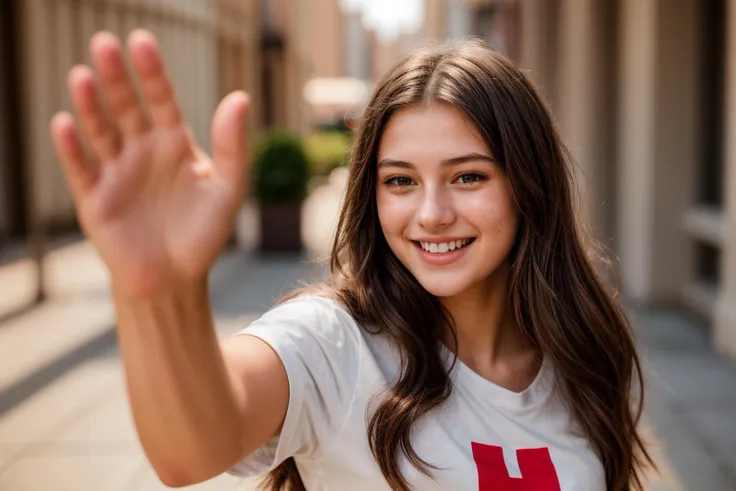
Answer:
[(494, 214), (392, 213), (507, 229)]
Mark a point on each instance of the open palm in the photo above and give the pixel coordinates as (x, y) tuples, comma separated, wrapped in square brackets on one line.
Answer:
[(156, 208)]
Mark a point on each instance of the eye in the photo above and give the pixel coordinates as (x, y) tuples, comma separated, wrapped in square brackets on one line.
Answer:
[(400, 181), (470, 178)]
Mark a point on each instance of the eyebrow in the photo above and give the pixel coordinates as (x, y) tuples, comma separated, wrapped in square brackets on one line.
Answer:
[(462, 159)]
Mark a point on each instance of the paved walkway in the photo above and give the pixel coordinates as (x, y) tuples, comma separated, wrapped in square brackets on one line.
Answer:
[(65, 422), (691, 401), (64, 418)]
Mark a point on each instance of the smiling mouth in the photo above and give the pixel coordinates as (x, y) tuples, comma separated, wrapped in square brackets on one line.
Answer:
[(444, 247)]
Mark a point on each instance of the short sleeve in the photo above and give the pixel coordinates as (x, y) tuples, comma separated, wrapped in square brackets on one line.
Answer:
[(319, 344)]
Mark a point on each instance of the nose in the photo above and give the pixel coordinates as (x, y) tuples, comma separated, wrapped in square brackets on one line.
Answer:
[(436, 210)]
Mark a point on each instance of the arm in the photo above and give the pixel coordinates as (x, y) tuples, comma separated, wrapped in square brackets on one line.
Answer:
[(159, 212), (198, 407)]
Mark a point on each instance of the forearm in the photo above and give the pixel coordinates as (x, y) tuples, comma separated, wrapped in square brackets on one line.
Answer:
[(186, 410)]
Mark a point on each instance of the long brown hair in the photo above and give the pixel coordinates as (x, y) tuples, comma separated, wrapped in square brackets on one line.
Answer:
[(558, 299)]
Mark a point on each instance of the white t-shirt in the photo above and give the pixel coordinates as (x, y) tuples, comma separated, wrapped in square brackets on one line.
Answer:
[(483, 438)]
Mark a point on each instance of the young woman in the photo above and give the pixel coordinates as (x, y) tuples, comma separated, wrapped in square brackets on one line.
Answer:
[(463, 341)]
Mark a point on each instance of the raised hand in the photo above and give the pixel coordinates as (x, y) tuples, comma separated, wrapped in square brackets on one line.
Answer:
[(156, 208)]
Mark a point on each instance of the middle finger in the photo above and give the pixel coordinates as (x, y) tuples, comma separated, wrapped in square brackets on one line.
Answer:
[(124, 104)]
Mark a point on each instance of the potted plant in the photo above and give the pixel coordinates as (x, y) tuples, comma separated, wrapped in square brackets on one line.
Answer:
[(280, 177)]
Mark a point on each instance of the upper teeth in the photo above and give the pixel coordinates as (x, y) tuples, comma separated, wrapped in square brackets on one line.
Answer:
[(442, 247)]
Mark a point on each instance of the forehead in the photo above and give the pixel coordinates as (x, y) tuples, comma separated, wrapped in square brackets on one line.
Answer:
[(429, 133)]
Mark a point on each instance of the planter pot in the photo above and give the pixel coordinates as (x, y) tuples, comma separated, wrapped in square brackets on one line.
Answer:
[(281, 227)]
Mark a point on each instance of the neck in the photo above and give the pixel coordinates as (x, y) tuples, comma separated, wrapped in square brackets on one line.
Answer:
[(486, 330)]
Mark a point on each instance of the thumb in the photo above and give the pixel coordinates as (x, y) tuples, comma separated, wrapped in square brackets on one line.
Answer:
[(229, 146)]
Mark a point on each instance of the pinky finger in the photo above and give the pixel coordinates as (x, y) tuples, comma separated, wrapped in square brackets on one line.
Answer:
[(79, 172)]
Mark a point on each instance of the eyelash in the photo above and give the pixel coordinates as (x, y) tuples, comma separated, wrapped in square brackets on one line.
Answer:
[(477, 177), (392, 181)]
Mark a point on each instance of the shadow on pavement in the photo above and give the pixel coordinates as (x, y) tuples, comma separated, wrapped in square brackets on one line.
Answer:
[(245, 284)]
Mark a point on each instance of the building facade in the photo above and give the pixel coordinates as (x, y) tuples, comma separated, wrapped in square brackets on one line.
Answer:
[(644, 92), (211, 47), (358, 46)]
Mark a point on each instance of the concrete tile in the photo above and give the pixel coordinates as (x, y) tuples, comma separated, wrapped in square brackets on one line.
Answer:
[(31, 341), (71, 269), (17, 282), (69, 473), (58, 404), (687, 462), (716, 426), (661, 421), (666, 330), (666, 479), (718, 422), (8, 453), (75, 269), (694, 378), (265, 279), (74, 316), (109, 420)]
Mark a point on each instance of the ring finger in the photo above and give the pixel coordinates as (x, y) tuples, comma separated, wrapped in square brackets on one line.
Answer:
[(96, 128)]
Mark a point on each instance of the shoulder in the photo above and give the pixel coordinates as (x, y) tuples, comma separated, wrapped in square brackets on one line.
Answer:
[(317, 314), (320, 347), (315, 327)]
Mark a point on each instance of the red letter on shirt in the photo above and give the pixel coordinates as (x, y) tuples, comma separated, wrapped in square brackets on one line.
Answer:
[(537, 470)]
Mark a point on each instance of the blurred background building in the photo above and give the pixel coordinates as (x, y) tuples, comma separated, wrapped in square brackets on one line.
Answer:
[(643, 91)]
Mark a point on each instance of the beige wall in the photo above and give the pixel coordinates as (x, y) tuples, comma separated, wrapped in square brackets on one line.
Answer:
[(624, 80), (386, 53), (357, 54), (293, 66), (725, 319), (4, 151), (55, 34), (539, 51), (324, 25), (434, 28), (238, 60), (658, 134), (676, 148), (570, 45), (584, 105), (532, 59), (636, 143)]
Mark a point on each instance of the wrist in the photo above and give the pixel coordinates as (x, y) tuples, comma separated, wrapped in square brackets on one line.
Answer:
[(186, 300), (167, 314), (160, 289)]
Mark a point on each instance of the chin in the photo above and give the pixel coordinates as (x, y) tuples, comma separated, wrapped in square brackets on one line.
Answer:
[(443, 287)]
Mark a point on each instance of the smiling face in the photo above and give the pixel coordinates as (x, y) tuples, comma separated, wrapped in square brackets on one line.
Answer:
[(445, 206)]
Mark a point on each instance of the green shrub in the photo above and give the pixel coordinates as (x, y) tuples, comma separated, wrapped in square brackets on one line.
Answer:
[(280, 168), (327, 151), (340, 126)]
